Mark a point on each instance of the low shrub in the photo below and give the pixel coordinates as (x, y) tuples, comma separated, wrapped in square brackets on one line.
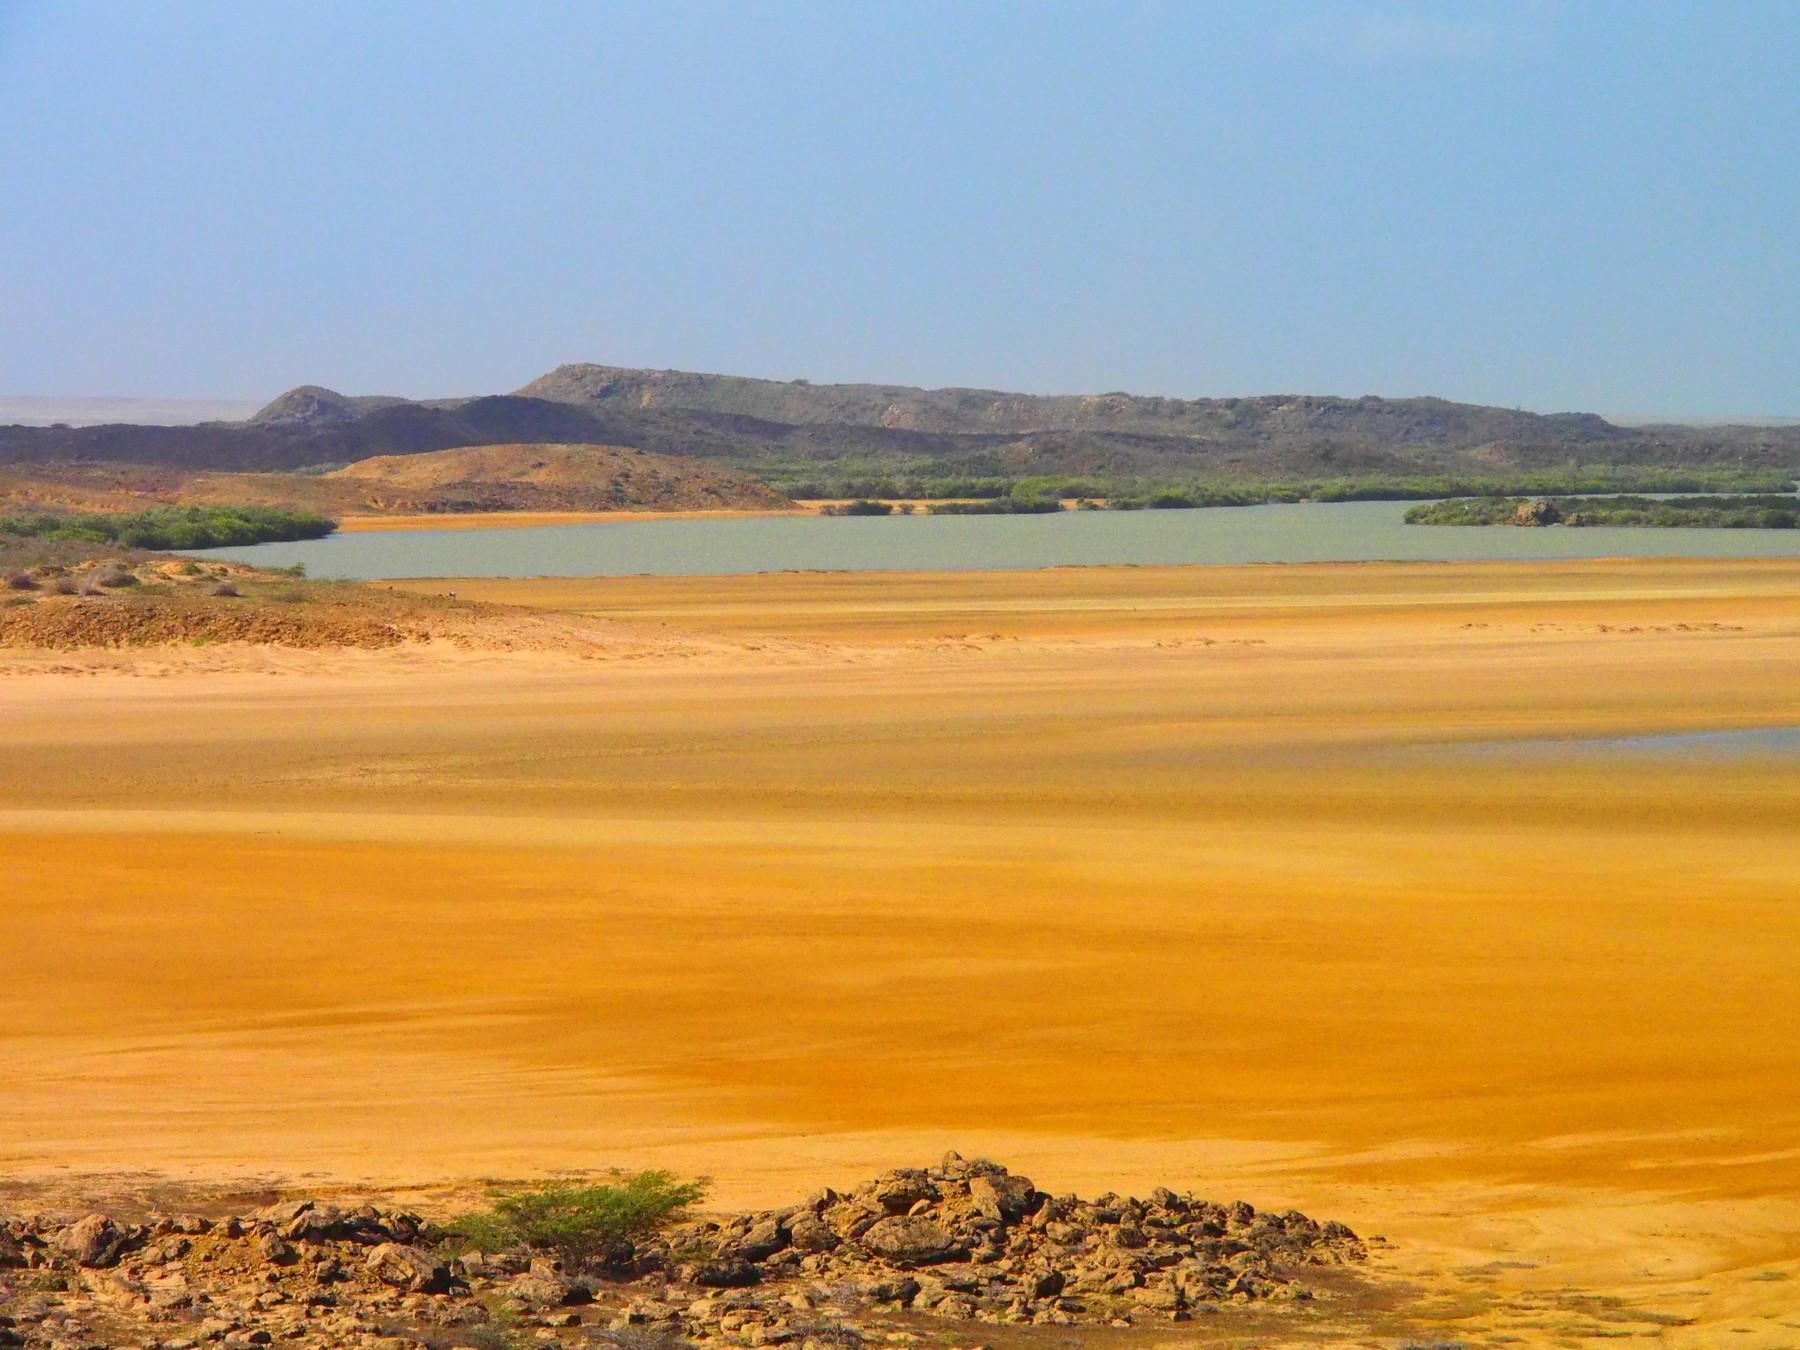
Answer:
[(998, 506), (581, 1222), (21, 581), (225, 590)]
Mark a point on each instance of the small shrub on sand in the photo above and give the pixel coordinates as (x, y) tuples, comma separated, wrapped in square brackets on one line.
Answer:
[(117, 578), (66, 586), (581, 1222), (226, 589), (21, 581)]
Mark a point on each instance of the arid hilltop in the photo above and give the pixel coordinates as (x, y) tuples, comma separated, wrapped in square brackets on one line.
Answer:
[(535, 477)]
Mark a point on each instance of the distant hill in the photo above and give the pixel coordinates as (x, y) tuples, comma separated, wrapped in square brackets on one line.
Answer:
[(476, 478), (312, 405), (1238, 421), (843, 438)]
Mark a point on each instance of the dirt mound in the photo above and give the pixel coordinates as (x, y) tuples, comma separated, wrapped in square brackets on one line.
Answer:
[(476, 478), (82, 597), (553, 478), (965, 1241)]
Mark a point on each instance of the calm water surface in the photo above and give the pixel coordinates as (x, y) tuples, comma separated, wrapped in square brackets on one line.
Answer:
[(1781, 742), (1322, 532)]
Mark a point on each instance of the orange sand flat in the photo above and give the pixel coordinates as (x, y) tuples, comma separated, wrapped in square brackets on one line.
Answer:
[(1130, 876)]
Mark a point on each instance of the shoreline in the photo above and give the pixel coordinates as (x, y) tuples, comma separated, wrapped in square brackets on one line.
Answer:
[(502, 520), (516, 520)]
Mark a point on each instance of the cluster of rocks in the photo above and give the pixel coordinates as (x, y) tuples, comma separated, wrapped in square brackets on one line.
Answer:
[(965, 1241)]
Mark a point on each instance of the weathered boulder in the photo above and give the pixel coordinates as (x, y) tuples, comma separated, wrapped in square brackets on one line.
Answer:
[(407, 1268), (1002, 1197), (93, 1241), (763, 1240), (730, 1273), (911, 1241), (809, 1233), (547, 1286), (902, 1290), (899, 1190)]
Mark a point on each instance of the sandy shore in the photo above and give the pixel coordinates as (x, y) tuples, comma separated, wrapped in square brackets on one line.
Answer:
[(513, 520), (518, 520), (1207, 876)]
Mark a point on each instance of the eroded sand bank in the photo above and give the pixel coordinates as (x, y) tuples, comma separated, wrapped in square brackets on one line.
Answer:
[(1128, 876)]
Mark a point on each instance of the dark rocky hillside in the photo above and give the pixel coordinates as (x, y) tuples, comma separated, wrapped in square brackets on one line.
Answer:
[(1240, 421), (779, 428)]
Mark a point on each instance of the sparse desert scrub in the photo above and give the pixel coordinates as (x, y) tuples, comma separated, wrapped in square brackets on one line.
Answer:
[(225, 590), (582, 1222), (22, 581)]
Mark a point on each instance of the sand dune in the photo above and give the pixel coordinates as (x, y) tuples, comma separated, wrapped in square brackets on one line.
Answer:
[(1128, 875)]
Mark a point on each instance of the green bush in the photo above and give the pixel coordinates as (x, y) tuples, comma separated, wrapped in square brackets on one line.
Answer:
[(581, 1222), (997, 506), (1767, 512), (172, 527)]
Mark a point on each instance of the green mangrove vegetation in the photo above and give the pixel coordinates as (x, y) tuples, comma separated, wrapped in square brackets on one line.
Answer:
[(172, 527), (933, 481), (1763, 512)]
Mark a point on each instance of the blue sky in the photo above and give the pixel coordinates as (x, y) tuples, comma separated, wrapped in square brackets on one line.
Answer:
[(1548, 205)]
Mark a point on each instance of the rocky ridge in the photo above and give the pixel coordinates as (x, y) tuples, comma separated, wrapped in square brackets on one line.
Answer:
[(964, 1242)]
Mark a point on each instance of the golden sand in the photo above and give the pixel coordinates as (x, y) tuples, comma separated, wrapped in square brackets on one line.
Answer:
[(1207, 876)]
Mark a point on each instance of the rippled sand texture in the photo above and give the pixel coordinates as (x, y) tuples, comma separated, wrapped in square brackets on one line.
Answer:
[(1130, 876)]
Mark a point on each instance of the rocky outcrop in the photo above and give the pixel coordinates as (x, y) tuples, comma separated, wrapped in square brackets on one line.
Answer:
[(1539, 512), (964, 1241), (970, 1240)]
